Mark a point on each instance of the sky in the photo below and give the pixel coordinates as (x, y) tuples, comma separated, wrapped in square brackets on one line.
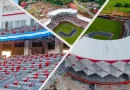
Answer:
[(16, 1)]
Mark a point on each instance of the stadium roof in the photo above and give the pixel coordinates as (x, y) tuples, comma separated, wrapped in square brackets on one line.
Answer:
[(83, 18), (55, 12), (109, 50), (101, 57)]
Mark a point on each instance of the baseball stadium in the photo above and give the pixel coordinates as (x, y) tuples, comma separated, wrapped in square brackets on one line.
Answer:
[(73, 15), (28, 51), (101, 58)]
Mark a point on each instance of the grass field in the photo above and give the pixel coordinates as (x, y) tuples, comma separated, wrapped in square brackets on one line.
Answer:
[(111, 7), (67, 27), (101, 24)]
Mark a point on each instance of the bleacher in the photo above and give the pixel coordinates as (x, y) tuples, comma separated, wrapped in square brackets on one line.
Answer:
[(69, 18), (27, 72), (73, 32), (21, 30)]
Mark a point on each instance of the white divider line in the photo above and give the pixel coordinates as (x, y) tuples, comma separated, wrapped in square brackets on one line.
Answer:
[(39, 22), (91, 22), (73, 45)]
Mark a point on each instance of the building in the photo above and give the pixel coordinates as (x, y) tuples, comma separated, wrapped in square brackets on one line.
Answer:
[(12, 17), (31, 51), (100, 61)]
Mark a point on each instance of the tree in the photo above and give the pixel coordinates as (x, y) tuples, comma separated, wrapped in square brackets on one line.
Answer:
[(127, 5), (118, 5)]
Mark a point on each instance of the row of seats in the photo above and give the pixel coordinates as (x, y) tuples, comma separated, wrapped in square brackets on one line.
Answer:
[(23, 29), (34, 70)]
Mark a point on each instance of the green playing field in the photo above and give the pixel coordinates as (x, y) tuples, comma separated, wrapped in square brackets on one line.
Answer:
[(67, 27), (101, 24)]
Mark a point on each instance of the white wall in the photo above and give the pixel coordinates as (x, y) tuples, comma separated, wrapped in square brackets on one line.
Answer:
[(7, 3), (1, 12), (12, 17), (17, 17)]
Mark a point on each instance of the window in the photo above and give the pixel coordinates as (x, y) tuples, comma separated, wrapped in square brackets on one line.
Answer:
[(17, 23), (5, 8), (23, 22), (51, 45), (3, 25), (8, 8), (12, 8), (7, 25), (33, 22), (10, 25), (37, 44), (19, 44)]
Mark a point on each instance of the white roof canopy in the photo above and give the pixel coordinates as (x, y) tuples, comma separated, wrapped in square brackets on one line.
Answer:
[(103, 49), (63, 10)]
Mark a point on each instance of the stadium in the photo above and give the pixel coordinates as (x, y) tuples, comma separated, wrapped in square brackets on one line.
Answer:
[(66, 18), (28, 52), (99, 61), (95, 65), (112, 23), (65, 21), (117, 28)]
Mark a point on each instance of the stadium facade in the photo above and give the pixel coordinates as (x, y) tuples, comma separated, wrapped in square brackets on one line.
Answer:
[(127, 27), (100, 61), (13, 19)]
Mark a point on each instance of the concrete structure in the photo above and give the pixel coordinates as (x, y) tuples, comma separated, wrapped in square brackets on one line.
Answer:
[(127, 28), (101, 60), (12, 17)]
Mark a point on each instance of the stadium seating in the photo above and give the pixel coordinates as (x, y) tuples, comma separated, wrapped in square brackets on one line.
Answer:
[(21, 30), (107, 34), (73, 32), (27, 72), (69, 18)]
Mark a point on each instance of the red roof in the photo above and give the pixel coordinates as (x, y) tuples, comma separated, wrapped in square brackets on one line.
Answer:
[(73, 6), (23, 4), (95, 10)]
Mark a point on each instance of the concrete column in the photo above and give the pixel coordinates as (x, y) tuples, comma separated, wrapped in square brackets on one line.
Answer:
[(28, 47), (1, 48), (45, 46), (12, 48), (58, 46)]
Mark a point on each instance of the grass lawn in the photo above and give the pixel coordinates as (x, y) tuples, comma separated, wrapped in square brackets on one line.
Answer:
[(101, 37), (67, 27), (101, 24), (111, 6)]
